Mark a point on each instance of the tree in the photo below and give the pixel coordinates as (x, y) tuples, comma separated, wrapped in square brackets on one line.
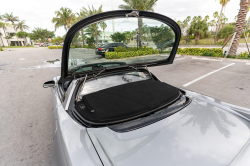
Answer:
[(198, 27), (146, 5), (89, 12), (41, 34), (103, 25), (57, 40), (2, 44), (64, 18), (223, 4), (206, 18), (226, 32), (212, 23), (128, 36), (162, 36), (4, 26), (239, 28), (11, 18), (90, 41), (21, 25), (184, 25), (22, 34), (118, 37), (80, 17)]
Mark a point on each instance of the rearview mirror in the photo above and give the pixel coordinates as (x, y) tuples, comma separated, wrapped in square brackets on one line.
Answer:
[(49, 84)]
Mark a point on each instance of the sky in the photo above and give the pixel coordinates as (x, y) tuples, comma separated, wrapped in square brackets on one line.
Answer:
[(40, 13)]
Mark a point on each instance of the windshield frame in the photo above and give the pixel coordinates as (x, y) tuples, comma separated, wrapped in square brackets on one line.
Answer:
[(65, 76)]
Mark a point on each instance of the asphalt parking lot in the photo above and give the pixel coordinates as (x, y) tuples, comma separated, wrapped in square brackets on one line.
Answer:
[(26, 108)]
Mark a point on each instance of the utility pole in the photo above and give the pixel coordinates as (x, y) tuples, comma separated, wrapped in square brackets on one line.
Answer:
[(113, 19)]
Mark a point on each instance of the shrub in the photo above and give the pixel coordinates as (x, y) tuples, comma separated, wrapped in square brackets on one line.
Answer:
[(91, 41), (244, 55), (55, 47), (215, 52), (123, 49), (58, 47), (208, 54), (226, 32), (87, 46), (1, 49), (127, 54)]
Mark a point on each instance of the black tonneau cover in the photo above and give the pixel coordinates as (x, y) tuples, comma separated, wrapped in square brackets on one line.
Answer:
[(126, 101)]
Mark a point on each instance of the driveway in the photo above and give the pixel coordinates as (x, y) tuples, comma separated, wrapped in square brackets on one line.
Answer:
[(26, 108)]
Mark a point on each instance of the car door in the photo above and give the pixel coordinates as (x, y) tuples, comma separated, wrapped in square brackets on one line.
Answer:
[(112, 47)]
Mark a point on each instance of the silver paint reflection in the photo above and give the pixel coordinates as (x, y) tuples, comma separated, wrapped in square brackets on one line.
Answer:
[(200, 134)]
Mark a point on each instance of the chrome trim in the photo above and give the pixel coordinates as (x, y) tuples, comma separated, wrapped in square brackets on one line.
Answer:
[(78, 97), (68, 94)]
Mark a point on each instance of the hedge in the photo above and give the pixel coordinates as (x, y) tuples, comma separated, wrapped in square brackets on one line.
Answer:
[(215, 52), (244, 55), (1, 49), (60, 47), (119, 55)]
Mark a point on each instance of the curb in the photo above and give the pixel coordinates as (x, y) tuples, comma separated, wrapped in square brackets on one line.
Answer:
[(217, 58)]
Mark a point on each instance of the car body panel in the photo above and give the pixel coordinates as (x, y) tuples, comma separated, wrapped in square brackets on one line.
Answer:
[(72, 145), (183, 143), (242, 159), (206, 132), (200, 134)]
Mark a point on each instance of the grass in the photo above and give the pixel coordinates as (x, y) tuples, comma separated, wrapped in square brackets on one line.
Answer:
[(17, 46)]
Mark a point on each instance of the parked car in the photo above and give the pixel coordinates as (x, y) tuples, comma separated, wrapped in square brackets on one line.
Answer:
[(115, 112), (108, 47), (43, 45), (144, 42)]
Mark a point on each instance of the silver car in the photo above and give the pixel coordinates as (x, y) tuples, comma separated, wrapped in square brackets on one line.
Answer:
[(112, 111)]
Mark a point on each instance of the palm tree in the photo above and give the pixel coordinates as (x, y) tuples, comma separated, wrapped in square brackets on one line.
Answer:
[(21, 25), (239, 28), (64, 18), (11, 18), (223, 4), (89, 12), (212, 23), (4, 26), (206, 18), (146, 5), (103, 25), (2, 44)]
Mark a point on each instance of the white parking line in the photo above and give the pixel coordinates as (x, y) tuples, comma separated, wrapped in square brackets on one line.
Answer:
[(207, 59), (179, 59), (207, 75), (247, 63)]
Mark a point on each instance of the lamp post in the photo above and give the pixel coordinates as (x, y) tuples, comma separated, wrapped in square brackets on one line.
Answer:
[(137, 39)]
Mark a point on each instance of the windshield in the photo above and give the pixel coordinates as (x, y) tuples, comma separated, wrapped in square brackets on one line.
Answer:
[(120, 41)]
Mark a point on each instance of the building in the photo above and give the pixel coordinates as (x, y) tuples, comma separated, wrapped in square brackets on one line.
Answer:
[(13, 41), (105, 36)]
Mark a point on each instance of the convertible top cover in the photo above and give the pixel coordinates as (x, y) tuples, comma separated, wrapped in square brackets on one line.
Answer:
[(126, 101)]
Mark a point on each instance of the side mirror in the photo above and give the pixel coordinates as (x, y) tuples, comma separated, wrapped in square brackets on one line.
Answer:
[(49, 84)]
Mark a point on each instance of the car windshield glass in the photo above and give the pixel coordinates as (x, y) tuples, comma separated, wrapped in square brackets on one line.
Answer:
[(94, 66), (114, 80), (123, 40)]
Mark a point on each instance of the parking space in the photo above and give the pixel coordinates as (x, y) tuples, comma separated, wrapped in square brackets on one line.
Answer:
[(226, 80), (26, 108)]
